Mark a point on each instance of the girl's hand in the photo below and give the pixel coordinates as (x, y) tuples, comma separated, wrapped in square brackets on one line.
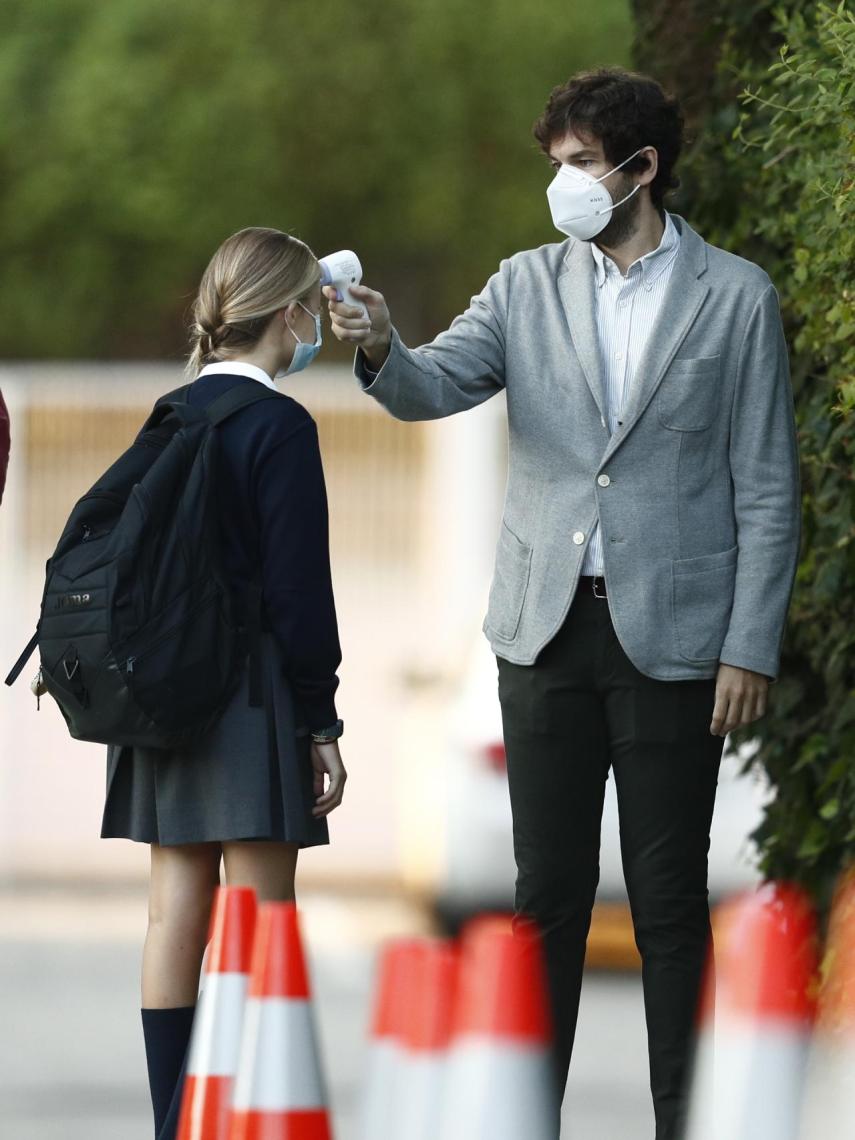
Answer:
[(326, 761)]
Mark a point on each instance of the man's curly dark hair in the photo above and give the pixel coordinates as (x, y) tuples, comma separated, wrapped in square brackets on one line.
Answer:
[(624, 111)]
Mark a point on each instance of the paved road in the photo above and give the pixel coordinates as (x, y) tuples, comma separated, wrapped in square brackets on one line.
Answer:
[(72, 1065)]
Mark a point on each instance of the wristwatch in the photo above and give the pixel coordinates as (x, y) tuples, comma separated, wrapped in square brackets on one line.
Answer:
[(327, 735)]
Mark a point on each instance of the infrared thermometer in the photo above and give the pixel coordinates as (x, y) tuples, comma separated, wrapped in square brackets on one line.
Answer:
[(342, 270)]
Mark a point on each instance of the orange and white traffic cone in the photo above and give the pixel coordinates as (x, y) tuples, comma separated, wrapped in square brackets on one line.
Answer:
[(750, 1066), (830, 1097), (279, 1092), (426, 1039), (500, 1082), (215, 1041), (394, 989)]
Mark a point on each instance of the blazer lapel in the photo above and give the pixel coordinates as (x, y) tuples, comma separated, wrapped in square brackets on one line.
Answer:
[(576, 290), (680, 306)]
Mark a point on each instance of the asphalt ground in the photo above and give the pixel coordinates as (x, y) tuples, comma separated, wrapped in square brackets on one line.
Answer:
[(72, 1065)]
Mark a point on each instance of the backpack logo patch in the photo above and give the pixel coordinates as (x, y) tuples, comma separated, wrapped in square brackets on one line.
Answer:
[(65, 601)]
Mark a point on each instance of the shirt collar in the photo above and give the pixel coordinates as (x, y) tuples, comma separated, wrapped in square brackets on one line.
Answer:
[(238, 368), (652, 264)]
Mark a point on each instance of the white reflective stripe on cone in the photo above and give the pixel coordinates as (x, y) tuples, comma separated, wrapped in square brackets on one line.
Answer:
[(279, 1068), (215, 1044), (749, 1085), (829, 1110), (379, 1117), (420, 1093), (496, 1090)]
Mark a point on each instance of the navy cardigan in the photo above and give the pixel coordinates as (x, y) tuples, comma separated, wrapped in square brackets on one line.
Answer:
[(274, 511)]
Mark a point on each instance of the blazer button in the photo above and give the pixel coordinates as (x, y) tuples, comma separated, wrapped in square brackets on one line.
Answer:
[(578, 537), (603, 480)]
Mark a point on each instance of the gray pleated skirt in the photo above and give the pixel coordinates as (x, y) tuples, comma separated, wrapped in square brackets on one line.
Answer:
[(249, 778)]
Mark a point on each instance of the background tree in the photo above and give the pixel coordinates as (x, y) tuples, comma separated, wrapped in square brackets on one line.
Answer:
[(770, 174), (134, 137)]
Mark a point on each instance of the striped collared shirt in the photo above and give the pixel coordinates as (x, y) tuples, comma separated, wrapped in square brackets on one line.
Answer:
[(626, 308)]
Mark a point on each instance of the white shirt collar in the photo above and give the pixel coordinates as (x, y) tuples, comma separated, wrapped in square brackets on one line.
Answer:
[(238, 368), (652, 263)]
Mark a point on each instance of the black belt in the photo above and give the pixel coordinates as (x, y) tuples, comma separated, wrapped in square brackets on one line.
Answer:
[(596, 586)]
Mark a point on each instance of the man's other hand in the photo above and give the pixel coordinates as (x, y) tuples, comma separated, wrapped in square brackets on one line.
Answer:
[(740, 698), (373, 334)]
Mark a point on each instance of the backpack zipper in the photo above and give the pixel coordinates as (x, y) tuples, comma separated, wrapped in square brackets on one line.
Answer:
[(131, 661)]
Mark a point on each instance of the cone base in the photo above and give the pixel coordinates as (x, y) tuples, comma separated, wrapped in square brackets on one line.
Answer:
[(500, 1090), (312, 1124), (205, 1108)]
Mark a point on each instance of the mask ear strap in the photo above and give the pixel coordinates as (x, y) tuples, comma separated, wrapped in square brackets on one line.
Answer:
[(288, 327), (621, 202), (620, 165)]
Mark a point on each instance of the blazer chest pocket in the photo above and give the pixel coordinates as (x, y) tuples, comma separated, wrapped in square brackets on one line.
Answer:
[(689, 393), (510, 582)]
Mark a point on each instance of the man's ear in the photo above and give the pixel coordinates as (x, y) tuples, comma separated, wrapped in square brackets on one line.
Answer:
[(651, 156)]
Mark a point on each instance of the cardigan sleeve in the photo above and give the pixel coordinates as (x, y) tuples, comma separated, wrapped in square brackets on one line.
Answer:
[(291, 501), (4, 444)]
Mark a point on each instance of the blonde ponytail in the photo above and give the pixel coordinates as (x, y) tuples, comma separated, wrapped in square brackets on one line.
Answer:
[(253, 274)]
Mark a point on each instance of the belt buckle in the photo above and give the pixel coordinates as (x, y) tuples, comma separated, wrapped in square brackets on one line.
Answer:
[(594, 580)]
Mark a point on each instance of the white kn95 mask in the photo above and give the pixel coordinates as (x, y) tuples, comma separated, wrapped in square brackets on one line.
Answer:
[(580, 206)]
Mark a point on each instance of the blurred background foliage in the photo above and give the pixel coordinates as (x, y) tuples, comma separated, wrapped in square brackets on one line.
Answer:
[(770, 174), (135, 137)]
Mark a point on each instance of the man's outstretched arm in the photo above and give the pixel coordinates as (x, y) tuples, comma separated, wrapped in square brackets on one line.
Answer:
[(462, 367)]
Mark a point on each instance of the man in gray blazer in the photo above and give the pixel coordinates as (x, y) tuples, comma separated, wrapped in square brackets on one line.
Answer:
[(649, 541)]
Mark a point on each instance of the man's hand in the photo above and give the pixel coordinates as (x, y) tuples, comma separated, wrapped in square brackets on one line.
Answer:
[(326, 761), (373, 334), (740, 698)]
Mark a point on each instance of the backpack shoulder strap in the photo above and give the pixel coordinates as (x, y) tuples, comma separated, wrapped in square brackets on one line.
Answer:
[(175, 404), (241, 396), (179, 394)]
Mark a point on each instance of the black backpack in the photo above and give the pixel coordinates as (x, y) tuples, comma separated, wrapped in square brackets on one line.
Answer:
[(140, 637)]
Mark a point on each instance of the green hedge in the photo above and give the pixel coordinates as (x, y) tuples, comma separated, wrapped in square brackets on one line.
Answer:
[(770, 174)]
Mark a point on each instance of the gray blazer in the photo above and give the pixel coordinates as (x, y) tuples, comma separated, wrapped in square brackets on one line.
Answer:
[(700, 512)]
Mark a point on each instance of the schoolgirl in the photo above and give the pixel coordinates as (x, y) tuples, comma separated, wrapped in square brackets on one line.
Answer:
[(260, 785)]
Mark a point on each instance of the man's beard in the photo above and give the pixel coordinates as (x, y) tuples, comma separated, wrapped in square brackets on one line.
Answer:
[(623, 223)]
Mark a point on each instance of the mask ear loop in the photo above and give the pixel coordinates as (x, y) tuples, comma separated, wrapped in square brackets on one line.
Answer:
[(290, 330), (618, 167)]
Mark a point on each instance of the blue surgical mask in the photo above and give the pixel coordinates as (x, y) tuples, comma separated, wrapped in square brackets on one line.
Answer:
[(304, 353)]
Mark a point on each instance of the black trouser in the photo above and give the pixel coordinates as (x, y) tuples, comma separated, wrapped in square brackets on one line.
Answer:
[(581, 708)]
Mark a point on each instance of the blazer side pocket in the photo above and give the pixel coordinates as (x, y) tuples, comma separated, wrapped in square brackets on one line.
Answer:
[(702, 595), (510, 582), (689, 393)]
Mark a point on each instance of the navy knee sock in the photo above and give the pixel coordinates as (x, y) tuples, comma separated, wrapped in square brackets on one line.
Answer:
[(167, 1035), (169, 1128)]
